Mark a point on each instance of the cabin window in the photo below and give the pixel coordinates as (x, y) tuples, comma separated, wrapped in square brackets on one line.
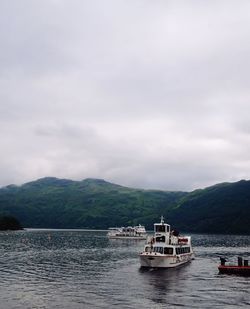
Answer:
[(158, 249), (160, 239), (182, 250), (168, 251), (160, 228)]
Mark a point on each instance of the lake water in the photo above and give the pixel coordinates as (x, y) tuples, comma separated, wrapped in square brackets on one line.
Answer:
[(83, 269)]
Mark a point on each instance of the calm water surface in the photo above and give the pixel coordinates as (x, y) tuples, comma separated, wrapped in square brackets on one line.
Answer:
[(83, 269)]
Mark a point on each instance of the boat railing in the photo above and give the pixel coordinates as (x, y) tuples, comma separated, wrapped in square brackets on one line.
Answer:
[(240, 262)]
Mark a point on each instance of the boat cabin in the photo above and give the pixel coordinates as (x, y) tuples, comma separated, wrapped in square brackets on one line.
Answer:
[(161, 227), (168, 242), (162, 231), (166, 248), (170, 250)]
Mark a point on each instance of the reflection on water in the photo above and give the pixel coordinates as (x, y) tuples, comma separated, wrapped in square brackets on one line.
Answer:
[(84, 269)]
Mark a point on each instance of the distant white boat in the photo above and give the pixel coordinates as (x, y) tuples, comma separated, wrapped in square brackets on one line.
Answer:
[(129, 232), (166, 249)]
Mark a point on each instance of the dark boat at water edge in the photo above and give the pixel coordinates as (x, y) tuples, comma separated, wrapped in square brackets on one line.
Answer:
[(242, 268)]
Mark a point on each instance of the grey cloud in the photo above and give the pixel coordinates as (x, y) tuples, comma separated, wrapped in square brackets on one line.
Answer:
[(146, 94)]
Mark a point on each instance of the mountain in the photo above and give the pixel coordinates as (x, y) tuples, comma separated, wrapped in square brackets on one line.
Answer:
[(223, 208), (92, 203), (95, 203)]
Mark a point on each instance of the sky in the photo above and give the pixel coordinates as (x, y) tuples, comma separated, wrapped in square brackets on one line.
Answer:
[(145, 94)]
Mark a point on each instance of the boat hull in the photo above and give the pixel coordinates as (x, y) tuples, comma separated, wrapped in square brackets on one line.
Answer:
[(128, 237), (163, 261), (234, 270)]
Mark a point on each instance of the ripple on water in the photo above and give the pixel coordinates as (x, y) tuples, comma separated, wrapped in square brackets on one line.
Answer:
[(83, 269)]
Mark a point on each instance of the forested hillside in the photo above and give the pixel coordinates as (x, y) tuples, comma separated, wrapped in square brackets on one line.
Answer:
[(91, 203), (94, 203), (223, 208)]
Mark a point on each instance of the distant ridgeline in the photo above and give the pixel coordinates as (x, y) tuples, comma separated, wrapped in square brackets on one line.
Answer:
[(94, 203)]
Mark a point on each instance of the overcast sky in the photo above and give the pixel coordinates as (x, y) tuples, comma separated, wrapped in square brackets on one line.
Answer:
[(148, 94)]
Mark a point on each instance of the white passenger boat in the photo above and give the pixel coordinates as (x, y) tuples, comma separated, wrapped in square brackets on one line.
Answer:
[(166, 249), (131, 232)]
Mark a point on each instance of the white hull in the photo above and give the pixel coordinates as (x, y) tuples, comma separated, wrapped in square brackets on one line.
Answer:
[(152, 260)]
